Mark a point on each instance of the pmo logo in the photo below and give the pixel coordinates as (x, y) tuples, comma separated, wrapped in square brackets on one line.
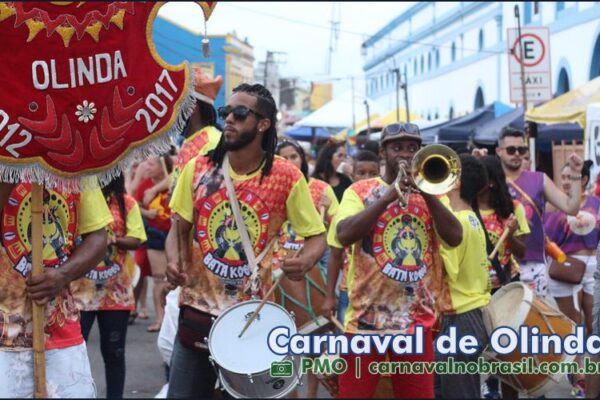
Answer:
[(282, 369)]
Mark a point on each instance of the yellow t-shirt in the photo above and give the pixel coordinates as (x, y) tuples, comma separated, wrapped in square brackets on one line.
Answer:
[(393, 272), (467, 274), (65, 217), (200, 143), (495, 226), (219, 270), (108, 286), (289, 240)]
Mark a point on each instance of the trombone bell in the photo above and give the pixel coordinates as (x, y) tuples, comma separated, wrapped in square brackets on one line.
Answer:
[(436, 169)]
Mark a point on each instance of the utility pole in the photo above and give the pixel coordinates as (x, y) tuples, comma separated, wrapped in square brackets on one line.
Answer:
[(523, 88), (269, 55), (368, 118), (333, 33), (397, 72), (521, 62), (401, 85), (405, 88)]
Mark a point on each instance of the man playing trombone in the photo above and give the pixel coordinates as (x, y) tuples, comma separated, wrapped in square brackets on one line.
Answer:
[(395, 260)]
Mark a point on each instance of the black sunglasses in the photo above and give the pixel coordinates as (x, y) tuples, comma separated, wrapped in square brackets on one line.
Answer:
[(240, 113), (394, 129), (511, 150)]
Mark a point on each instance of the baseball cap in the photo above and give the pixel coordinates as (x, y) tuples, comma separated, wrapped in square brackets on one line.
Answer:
[(205, 88), (397, 131)]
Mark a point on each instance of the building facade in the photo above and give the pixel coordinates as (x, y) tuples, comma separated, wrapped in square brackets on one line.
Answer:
[(455, 56), (230, 57)]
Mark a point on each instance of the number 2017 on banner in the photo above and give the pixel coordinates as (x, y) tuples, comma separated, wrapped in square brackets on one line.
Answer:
[(155, 106)]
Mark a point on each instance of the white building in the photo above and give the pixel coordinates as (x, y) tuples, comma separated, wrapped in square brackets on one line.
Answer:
[(455, 53)]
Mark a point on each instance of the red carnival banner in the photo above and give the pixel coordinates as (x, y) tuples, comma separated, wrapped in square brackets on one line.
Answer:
[(84, 91)]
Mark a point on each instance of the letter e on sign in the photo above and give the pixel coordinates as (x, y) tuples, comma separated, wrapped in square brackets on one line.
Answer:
[(532, 51)]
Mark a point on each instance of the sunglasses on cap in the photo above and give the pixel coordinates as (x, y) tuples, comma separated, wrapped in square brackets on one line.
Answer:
[(240, 113), (511, 150), (394, 129)]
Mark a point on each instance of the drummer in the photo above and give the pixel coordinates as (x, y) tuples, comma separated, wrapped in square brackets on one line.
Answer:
[(324, 199), (382, 297), (498, 211), (578, 237), (216, 270), (467, 279)]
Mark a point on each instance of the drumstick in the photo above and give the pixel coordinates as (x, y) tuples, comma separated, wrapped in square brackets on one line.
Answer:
[(322, 212), (179, 257), (500, 241), (337, 323), (264, 300)]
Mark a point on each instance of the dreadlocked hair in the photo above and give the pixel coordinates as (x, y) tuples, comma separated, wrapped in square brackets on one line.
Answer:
[(116, 188), (500, 198), (265, 105)]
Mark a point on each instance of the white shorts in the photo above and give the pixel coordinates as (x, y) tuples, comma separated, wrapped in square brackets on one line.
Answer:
[(562, 289), (68, 373), (534, 275)]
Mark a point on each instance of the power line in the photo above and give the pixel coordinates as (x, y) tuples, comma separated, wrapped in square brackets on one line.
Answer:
[(362, 34)]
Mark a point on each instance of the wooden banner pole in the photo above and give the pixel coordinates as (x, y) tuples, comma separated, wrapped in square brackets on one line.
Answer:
[(37, 268)]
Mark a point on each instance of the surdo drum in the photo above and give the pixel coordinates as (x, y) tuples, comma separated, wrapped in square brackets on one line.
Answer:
[(514, 305), (243, 365)]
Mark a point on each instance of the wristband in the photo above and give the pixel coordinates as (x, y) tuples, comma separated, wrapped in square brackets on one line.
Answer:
[(575, 177)]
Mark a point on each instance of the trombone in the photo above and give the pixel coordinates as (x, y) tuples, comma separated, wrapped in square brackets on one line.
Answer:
[(435, 170)]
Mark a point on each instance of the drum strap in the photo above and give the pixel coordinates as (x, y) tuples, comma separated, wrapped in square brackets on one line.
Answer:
[(253, 262)]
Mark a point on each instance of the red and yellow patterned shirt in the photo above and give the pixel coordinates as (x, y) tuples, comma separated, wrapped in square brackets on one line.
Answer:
[(65, 217), (219, 270), (394, 270), (108, 286)]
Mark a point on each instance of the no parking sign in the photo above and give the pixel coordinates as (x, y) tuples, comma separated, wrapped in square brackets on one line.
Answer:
[(535, 60)]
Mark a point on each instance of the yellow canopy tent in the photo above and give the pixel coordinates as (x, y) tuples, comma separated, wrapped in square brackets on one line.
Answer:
[(344, 134), (569, 107), (377, 121), (390, 117)]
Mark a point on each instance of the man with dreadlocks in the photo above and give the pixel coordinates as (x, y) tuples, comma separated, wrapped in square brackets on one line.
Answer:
[(270, 190)]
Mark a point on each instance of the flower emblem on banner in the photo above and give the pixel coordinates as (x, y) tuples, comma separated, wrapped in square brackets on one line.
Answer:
[(86, 111)]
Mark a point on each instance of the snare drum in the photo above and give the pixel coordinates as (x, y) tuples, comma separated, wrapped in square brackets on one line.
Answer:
[(304, 299), (514, 305), (243, 364)]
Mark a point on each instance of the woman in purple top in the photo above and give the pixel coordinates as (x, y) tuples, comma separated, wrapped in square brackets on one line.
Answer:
[(578, 237)]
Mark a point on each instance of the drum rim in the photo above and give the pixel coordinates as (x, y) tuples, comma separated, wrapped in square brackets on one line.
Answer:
[(293, 331), (295, 381)]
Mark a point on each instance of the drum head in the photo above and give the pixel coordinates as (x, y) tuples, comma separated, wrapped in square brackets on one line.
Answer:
[(510, 305), (249, 354)]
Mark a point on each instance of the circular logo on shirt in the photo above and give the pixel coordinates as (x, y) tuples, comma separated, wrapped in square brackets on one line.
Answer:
[(583, 223), (219, 237), (107, 268), (289, 238), (400, 243), (58, 227)]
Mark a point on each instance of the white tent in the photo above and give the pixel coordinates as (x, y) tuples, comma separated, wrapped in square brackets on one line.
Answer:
[(338, 112)]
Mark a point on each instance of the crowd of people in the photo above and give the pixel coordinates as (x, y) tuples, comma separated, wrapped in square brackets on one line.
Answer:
[(230, 207)]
